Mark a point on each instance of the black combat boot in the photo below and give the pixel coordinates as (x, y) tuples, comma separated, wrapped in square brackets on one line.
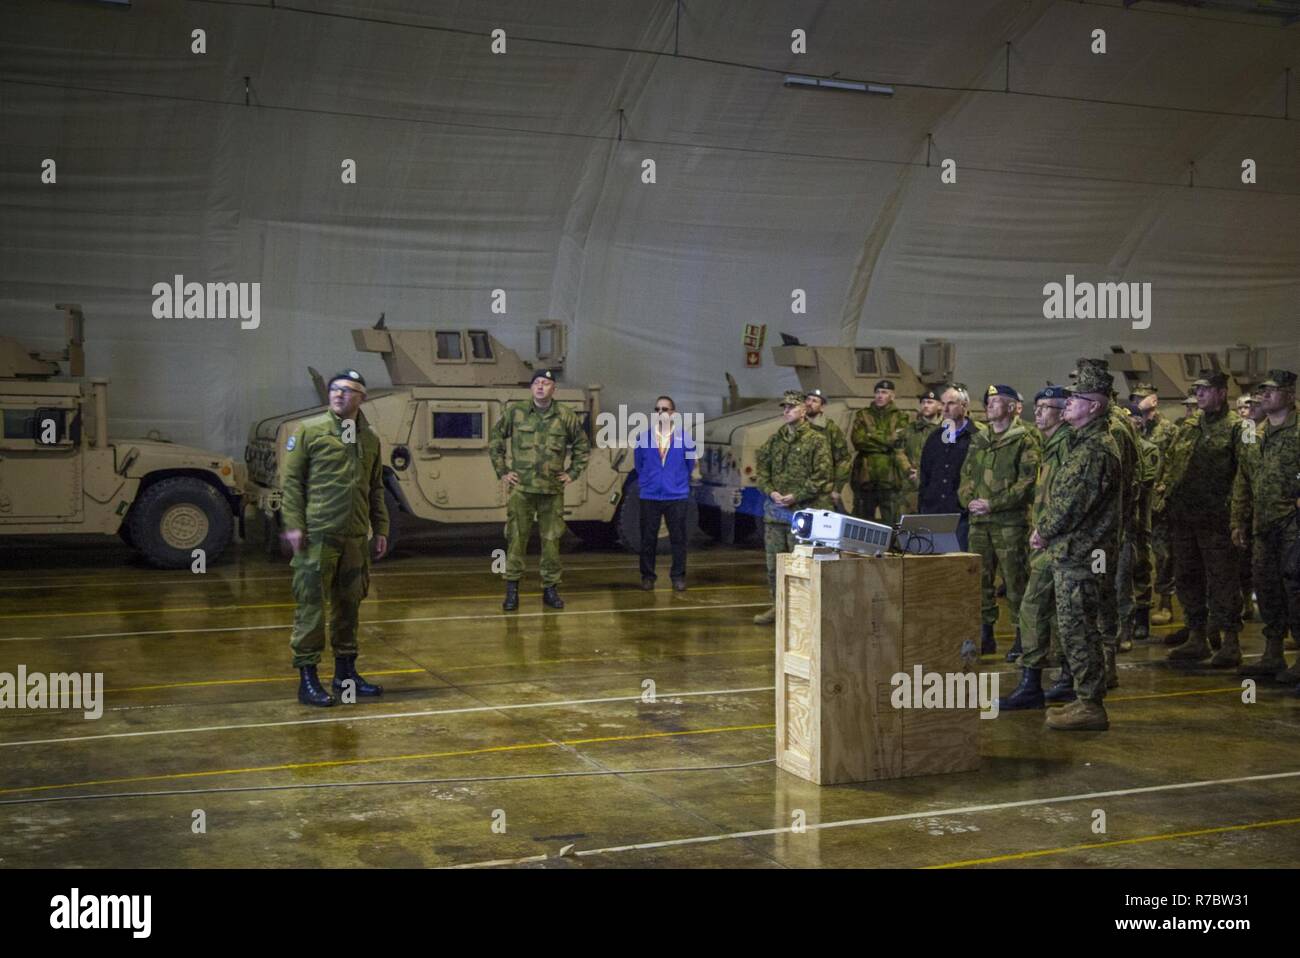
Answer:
[(310, 691), (988, 645), (1142, 625), (1016, 650), (551, 597), (512, 597), (345, 667), (1027, 695), (1179, 637), (1063, 689)]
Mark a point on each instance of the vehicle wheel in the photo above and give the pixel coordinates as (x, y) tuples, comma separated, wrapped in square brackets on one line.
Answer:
[(173, 517), (711, 522), (596, 535), (627, 521)]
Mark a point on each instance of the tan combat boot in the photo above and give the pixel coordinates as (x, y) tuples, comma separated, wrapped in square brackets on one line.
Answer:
[(1126, 637), (1229, 656), (1164, 613), (1079, 716), (1272, 663), (766, 617), (1194, 649), (1112, 675)]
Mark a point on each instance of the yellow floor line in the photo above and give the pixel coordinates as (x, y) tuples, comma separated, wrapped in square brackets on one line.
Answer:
[(290, 605), (212, 682), (336, 763), (1170, 695), (1019, 856)]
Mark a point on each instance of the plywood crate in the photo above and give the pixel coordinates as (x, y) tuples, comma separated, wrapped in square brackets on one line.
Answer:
[(844, 628)]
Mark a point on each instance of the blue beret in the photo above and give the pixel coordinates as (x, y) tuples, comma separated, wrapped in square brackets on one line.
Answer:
[(1000, 391), (1052, 392)]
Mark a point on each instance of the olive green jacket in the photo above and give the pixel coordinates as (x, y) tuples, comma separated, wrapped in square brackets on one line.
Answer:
[(1267, 484), (1082, 513), (877, 435), (539, 444), (841, 456), (332, 487), (1200, 465), (1054, 449), (796, 462), (1001, 468)]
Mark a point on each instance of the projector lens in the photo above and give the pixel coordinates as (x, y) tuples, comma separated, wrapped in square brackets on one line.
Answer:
[(801, 524)]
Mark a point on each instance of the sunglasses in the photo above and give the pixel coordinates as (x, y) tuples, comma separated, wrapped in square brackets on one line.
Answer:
[(663, 409)]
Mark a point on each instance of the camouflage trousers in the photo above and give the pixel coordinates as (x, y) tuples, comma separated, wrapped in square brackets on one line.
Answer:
[(777, 538), (1164, 557), (1279, 599), (545, 511), (333, 569), (1134, 569), (1205, 569), (868, 497), (1038, 632), (1005, 549), (1078, 617), (1246, 564)]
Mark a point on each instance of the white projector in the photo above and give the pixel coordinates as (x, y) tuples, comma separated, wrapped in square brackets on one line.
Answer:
[(821, 527)]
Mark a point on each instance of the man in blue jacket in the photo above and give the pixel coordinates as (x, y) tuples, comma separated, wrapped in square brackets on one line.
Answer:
[(665, 466)]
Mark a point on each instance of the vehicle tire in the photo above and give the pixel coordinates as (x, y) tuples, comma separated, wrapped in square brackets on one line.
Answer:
[(627, 521), (596, 535), (173, 517)]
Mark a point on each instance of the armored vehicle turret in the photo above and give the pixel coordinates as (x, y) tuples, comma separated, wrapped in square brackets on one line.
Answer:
[(1173, 373), (60, 471)]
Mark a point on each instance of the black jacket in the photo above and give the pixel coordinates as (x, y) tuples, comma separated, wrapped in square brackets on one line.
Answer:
[(941, 470)]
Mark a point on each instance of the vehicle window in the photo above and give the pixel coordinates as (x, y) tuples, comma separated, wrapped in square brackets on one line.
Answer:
[(866, 362), (891, 361), (480, 344), (29, 423), (449, 346), (457, 425)]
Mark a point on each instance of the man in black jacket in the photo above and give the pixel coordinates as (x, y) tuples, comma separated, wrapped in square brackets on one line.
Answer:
[(942, 458)]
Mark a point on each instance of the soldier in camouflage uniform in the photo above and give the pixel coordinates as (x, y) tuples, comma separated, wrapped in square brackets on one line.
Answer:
[(1265, 499), (542, 435), (841, 456), (1038, 603), (929, 417), (997, 486), (333, 498), (1251, 410), (1083, 515), (1197, 485), (795, 471), (1134, 602), (1157, 429), (1189, 409), (880, 469)]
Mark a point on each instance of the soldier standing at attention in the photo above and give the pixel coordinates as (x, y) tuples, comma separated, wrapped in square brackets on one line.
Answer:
[(1038, 603), (333, 498), (542, 434), (1189, 407), (841, 457), (880, 469), (794, 472), (1253, 411), (997, 487), (1265, 499), (1198, 485), (1157, 429), (1082, 516), (928, 418), (1134, 600)]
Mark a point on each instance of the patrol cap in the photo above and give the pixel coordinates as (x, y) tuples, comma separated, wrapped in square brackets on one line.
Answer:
[(542, 374), (1093, 380), (1214, 380), (1189, 399), (1000, 391), (1278, 379), (1052, 392), (1142, 391), (792, 397), (351, 379), (816, 392), (884, 384)]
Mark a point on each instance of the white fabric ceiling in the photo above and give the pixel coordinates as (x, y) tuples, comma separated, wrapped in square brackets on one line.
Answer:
[(478, 172)]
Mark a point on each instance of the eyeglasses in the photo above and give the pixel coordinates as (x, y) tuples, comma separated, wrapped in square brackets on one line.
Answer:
[(663, 409)]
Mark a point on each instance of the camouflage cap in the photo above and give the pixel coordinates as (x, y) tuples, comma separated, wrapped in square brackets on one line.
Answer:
[(1142, 391), (351, 379), (1189, 399), (542, 374), (1278, 379), (884, 384), (792, 397), (1214, 380), (1094, 380)]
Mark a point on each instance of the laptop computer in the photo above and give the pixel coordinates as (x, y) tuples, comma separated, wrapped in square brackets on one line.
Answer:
[(926, 535)]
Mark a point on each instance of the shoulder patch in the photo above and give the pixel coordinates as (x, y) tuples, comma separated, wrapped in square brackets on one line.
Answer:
[(291, 444)]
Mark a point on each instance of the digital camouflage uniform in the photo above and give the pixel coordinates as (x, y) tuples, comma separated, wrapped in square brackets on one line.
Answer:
[(795, 461), (1117, 583), (1160, 431), (1038, 630), (540, 441), (1264, 496), (1197, 479), (335, 491), (1135, 558), (1082, 515), (880, 467), (841, 455), (914, 437), (1002, 469)]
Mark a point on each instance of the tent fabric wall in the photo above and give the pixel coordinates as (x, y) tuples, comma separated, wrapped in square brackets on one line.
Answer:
[(478, 172)]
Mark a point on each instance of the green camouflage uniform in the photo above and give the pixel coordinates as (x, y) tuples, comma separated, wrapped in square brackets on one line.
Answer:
[(795, 461), (1197, 478), (1082, 515), (841, 455), (914, 437), (1038, 632), (1002, 469), (1161, 432), (1135, 559), (880, 468), (1264, 495), (1117, 583), (540, 443), (335, 491)]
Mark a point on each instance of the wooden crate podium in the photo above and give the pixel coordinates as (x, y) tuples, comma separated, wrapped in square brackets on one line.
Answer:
[(844, 627)]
